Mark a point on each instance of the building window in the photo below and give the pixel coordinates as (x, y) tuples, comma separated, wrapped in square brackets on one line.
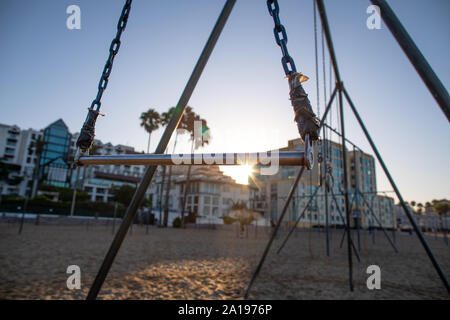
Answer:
[(273, 188)]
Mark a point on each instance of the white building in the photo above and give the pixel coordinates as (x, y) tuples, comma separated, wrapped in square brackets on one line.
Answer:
[(210, 196), (97, 180), (16, 148), (362, 176), (429, 222)]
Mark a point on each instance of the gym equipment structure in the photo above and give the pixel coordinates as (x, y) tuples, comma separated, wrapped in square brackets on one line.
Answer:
[(306, 120)]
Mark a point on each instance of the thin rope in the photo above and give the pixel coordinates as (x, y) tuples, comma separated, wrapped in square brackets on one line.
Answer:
[(316, 57), (331, 111), (324, 70), (316, 54)]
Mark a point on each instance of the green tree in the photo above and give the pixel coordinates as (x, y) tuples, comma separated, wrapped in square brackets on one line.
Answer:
[(66, 194), (9, 173), (150, 121), (420, 208), (165, 118), (124, 194), (441, 207), (187, 125)]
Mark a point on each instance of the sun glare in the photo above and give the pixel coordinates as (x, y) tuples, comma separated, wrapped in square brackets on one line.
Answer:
[(239, 173)]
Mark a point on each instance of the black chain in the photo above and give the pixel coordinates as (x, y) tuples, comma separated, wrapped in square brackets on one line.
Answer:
[(279, 30), (113, 50), (87, 132)]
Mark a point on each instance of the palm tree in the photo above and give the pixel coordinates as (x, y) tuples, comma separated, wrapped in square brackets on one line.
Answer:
[(442, 208), (184, 124), (150, 120), (165, 118), (420, 206), (413, 204), (196, 142)]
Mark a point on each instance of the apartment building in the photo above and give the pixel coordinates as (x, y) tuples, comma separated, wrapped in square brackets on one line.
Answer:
[(17, 149), (428, 221), (210, 196), (98, 180), (361, 176), (55, 165)]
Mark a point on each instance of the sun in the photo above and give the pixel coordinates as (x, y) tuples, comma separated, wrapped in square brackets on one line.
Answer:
[(239, 173)]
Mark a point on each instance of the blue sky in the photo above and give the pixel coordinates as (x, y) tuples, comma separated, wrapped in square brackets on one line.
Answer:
[(50, 72)]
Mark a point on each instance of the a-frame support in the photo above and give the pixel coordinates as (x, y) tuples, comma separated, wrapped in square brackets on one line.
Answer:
[(162, 146), (176, 118), (414, 55), (435, 87)]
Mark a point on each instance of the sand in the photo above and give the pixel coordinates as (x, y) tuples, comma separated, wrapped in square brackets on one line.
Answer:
[(211, 264)]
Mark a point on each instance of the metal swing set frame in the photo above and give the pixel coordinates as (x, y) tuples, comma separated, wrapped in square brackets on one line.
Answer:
[(303, 159)]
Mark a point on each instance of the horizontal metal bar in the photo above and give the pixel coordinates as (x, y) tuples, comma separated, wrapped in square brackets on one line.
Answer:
[(285, 158)]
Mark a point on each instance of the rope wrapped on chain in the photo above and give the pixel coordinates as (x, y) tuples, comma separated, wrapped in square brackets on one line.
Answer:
[(307, 122), (304, 115), (87, 133)]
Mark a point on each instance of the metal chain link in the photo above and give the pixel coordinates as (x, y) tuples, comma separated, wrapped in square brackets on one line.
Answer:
[(280, 30), (87, 133), (113, 50)]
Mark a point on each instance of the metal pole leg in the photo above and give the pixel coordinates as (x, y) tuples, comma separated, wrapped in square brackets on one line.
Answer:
[(286, 205), (416, 58), (150, 171), (345, 229), (399, 196)]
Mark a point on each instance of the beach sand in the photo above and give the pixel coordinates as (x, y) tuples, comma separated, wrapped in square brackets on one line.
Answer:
[(212, 264)]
